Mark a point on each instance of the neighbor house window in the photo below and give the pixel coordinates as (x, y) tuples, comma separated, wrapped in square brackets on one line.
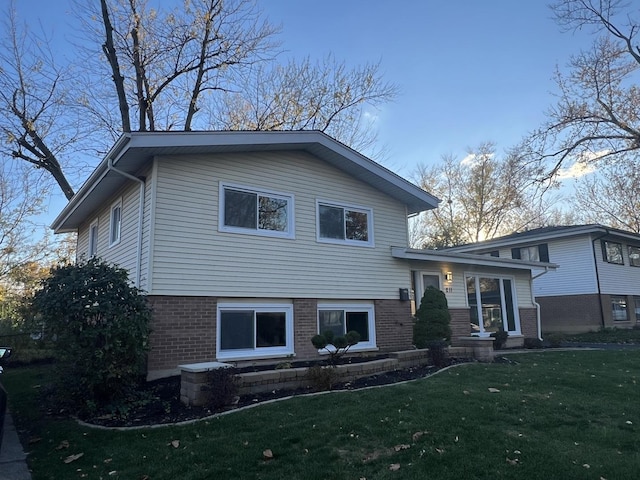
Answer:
[(245, 210), (532, 253), (637, 308), (341, 318), (492, 305), (343, 224), (612, 252), (93, 239), (250, 330), (619, 309), (115, 223), (634, 256)]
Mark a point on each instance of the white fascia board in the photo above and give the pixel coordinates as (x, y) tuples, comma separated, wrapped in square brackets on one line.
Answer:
[(468, 259)]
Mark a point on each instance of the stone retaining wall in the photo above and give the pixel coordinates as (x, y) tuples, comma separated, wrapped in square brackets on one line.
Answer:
[(194, 379)]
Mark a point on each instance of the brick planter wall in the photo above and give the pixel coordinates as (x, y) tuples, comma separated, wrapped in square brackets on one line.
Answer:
[(529, 322), (460, 324)]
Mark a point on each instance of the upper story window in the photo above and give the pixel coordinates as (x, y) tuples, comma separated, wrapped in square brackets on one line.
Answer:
[(532, 253), (93, 239), (612, 252), (245, 210), (115, 223), (634, 256), (345, 224)]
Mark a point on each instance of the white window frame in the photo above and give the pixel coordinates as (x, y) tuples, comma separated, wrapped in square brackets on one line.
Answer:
[(351, 307), (115, 229), (92, 247), (256, 352), (289, 197), (514, 293), (354, 208)]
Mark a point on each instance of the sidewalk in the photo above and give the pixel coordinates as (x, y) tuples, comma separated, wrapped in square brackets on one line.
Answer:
[(13, 460)]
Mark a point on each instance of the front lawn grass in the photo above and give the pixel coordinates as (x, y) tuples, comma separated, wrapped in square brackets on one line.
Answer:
[(569, 415)]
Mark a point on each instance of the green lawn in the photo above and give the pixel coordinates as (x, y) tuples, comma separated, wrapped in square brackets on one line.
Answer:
[(569, 415)]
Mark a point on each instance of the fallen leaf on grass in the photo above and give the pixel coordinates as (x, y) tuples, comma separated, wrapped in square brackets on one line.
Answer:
[(466, 392), (512, 462), (394, 466), (402, 446), (586, 465), (416, 436), (73, 458), (63, 444), (107, 461), (175, 443), (440, 450), (493, 390), (267, 454)]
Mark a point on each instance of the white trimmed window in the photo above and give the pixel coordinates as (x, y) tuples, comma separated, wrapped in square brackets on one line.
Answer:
[(247, 330), (341, 318), (634, 255), (350, 225), (93, 239), (261, 212), (492, 304), (115, 223)]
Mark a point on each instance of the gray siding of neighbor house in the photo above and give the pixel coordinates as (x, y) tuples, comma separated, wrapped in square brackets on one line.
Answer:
[(190, 256)]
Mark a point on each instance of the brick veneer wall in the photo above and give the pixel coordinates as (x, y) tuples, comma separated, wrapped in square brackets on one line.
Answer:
[(529, 322), (570, 313), (460, 324), (184, 329)]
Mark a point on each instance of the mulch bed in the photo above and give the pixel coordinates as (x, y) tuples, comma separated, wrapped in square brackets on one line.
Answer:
[(162, 398)]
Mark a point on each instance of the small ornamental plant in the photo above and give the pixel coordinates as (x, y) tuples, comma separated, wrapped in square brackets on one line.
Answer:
[(323, 377), (336, 346)]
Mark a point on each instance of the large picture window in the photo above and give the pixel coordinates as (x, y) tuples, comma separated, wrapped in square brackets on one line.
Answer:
[(492, 304), (612, 252), (343, 224), (341, 318), (244, 210), (246, 330)]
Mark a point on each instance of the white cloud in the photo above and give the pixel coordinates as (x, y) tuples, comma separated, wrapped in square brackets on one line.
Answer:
[(577, 170)]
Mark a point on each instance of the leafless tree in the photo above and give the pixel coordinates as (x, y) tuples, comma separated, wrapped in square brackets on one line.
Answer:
[(612, 196), (597, 113), (36, 122), (482, 196)]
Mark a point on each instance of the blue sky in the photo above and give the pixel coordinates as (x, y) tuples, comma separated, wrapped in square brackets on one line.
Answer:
[(468, 70)]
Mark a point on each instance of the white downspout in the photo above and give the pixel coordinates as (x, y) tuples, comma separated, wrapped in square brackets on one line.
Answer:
[(533, 299), (140, 215)]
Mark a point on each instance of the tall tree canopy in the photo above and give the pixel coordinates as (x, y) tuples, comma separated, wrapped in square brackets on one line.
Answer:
[(597, 113), (196, 65), (482, 196)]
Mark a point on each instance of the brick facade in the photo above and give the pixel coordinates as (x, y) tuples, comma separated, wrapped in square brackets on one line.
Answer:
[(570, 313), (460, 324), (184, 329), (529, 322)]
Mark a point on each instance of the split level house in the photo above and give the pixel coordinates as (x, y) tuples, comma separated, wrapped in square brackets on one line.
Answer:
[(248, 244), (597, 283)]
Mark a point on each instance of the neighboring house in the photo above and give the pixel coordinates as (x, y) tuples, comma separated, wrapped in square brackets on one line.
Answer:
[(597, 283), (249, 243)]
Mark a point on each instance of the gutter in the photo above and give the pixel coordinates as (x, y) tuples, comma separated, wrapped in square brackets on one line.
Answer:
[(141, 183), (537, 305), (595, 264)]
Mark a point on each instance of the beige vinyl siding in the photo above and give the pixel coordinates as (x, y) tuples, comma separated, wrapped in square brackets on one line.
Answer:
[(192, 257), (457, 291), (123, 253)]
